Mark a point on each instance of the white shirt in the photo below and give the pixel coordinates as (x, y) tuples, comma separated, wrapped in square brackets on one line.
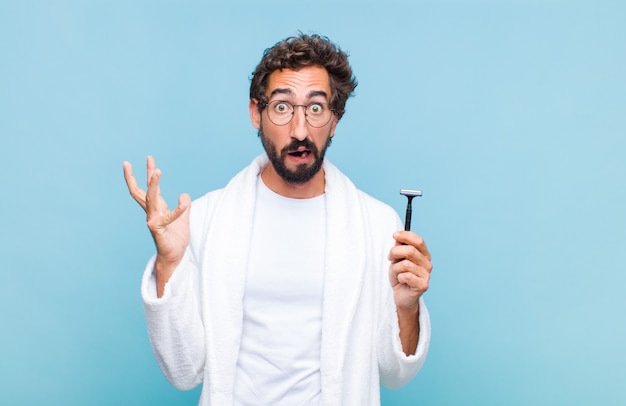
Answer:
[(279, 358)]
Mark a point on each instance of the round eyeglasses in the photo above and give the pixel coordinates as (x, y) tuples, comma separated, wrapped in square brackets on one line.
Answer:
[(281, 112)]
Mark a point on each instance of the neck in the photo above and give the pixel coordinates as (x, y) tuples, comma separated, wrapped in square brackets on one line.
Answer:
[(312, 188)]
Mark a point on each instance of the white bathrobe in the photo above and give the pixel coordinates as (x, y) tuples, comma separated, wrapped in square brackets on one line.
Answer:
[(196, 326)]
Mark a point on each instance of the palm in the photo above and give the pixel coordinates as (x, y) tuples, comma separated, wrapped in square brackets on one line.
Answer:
[(170, 233)]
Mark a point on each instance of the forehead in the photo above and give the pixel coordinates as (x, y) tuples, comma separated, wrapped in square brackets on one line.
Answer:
[(302, 83)]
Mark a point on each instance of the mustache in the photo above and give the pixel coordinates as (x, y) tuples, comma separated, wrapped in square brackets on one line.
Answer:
[(296, 144)]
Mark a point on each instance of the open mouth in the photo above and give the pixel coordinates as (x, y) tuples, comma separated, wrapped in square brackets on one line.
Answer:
[(300, 153)]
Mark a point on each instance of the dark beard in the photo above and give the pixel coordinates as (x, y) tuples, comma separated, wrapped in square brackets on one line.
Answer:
[(303, 173)]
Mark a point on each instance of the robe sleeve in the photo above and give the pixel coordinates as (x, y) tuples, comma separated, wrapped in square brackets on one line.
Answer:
[(174, 322), (395, 367)]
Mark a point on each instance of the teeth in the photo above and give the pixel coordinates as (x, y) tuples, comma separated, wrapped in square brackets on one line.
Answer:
[(303, 154)]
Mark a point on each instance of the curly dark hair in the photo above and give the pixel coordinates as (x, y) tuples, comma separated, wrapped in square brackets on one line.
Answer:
[(306, 50)]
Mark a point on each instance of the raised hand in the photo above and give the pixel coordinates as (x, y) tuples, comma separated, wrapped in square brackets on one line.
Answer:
[(169, 229), (409, 275)]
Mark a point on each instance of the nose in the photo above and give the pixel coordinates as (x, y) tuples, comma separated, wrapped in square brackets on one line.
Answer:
[(299, 127)]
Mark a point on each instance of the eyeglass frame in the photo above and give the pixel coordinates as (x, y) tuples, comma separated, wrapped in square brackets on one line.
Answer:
[(265, 104)]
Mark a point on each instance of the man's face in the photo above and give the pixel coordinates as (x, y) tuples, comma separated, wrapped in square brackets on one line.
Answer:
[(296, 150)]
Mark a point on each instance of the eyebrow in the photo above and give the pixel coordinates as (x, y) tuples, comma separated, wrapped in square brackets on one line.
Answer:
[(290, 92)]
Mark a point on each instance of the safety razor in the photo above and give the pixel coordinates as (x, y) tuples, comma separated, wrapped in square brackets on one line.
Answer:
[(410, 194)]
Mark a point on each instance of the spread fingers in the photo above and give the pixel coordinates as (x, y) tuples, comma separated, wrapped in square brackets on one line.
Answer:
[(135, 191)]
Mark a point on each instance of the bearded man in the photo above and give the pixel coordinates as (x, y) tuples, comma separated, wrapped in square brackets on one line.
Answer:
[(289, 286)]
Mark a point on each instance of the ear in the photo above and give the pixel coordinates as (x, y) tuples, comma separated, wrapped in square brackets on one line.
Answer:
[(255, 114)]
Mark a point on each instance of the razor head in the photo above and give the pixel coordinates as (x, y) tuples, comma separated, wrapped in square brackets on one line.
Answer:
[(410, 192)]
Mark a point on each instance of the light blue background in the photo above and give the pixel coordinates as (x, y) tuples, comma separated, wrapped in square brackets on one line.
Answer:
[(510, 115)]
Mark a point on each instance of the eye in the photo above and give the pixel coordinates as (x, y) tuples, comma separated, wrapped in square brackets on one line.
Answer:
[(316, 108), (281, 107)]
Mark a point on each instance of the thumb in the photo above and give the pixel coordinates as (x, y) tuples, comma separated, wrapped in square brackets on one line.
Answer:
[(184, 201)]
